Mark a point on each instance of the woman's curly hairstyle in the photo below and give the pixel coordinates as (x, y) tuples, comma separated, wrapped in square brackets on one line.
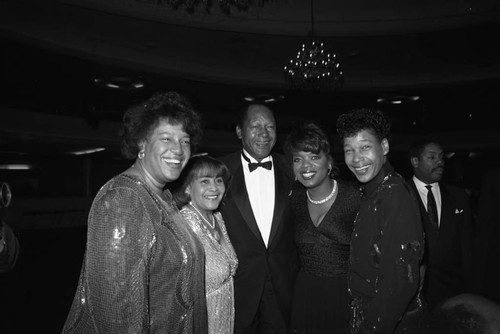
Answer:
[(356, 120), (140, 120)]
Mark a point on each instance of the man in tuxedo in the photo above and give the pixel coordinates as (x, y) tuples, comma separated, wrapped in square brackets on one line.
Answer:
[(258, 220), (449, 232)]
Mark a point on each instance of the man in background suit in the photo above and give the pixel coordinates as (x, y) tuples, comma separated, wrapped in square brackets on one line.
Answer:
[(487, 237), (449, 244), (259, 223)]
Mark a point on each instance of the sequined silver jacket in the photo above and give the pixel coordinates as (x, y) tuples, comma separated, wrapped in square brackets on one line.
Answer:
[(143, 270)]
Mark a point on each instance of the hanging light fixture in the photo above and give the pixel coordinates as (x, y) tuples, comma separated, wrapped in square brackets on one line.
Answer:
[(313, 67)]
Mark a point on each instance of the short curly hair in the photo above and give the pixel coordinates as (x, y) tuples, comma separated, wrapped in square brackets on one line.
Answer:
[(140, 120), (356, 120)]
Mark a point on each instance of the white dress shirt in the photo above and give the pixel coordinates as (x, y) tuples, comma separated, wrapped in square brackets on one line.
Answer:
[(260, 187), (422, 191)]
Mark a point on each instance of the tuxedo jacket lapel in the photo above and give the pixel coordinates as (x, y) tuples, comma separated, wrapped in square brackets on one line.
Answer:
[(447, 206), (242, 201), (281, 192)]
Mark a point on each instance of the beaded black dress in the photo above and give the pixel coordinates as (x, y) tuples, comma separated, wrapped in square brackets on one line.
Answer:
[(321, 298)]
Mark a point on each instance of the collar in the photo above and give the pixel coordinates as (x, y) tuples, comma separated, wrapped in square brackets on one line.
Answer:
[(247, 155), (386, 171), (252, 166), (421, 185)]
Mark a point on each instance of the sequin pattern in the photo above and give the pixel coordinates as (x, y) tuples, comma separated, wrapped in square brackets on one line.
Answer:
[(220, 266), (386, 252), (143, 267)]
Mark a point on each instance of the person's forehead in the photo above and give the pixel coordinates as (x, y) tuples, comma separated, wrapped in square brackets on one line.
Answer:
[(166, 126), (433, 148), (259, 112), (363, 135)]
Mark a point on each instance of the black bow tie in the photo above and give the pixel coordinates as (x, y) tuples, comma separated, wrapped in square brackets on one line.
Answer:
[(254, 165)]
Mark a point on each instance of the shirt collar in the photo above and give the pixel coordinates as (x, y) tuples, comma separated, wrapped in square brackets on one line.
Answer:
[(252, 159), (372, 185), (421, 185)]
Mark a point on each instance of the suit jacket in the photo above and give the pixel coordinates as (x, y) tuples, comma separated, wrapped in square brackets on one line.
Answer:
[(448, 253), (256, 262), (487, 236)]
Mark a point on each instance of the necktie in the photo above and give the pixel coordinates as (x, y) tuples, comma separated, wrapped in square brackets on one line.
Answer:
[(432, 208), (254, 165)]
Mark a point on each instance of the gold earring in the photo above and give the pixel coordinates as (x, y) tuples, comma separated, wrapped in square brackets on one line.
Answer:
[(140, 155)]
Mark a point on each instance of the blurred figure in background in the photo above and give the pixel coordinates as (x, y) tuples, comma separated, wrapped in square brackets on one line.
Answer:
[(486, 266), (203, 185), (388, 239), (449, 231), (325, 209), (463, 314), (9, 244), (144, 269)]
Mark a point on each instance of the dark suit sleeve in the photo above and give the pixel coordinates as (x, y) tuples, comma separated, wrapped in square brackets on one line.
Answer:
[(467, 242), (453, 265), (10, 253)]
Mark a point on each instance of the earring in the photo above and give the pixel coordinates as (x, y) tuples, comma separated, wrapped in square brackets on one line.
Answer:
[(329, 171), (140, 155)]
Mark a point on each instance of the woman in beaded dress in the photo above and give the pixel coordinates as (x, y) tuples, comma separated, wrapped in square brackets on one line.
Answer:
[(199, 196), (325, 210), (143, 270)]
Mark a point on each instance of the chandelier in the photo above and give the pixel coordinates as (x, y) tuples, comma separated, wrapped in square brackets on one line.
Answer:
[(313, 67)]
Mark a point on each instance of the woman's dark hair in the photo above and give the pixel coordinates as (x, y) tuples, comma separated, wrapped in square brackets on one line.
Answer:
[(199, 166), (356, 120), (140, 120), (309, 137)]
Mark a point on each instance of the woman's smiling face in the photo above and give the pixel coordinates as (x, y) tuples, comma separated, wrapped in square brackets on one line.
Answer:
[(365, 155), (166, 152)]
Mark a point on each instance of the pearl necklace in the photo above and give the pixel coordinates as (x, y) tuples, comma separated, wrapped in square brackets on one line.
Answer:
[(212, 226), (327, 198)]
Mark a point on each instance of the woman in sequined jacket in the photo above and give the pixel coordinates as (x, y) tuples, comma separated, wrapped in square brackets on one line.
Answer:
[(143, 270)]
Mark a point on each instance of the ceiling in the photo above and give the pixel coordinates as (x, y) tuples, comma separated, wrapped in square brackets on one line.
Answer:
[(53, 52)]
